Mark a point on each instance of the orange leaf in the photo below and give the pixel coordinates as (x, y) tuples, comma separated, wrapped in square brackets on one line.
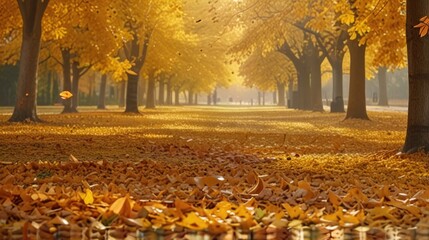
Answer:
[(87, 197), (309, 192), (122, 206), (182, 205), (208, 181), (334, 199), (194, 222)]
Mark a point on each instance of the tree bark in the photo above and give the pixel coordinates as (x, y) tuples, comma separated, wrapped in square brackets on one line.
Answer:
[(190, 97), (177, 96), (281, 94), (102, 94), (121, 94), (150, 100), (316, 79), (417, 137), (131, 105), (169, 87), (357, 103), (75, 86), (214, 96), (141, 92), (304, 90), (275, 97), (67, 86), (161, 91), (25, 107), (382, 87), (209, 99), (290, 93), (196, 99), (337, 104)]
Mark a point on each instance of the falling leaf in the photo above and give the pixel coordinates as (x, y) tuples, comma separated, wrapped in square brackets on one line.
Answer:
[(66, 95)]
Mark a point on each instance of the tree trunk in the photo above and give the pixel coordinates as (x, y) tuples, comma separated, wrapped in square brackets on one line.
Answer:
[(75, 86), (67, 86), (418, 77), (141, 92), (121, 94), (131, 105), (259, 98), (190, 97), (102, 94), (316, 81), (290, 98), (150, 100), (25, 107), (169, 86), (196, 99), (337, 104), (177, 96), (357, 103), (382, 87), (281, 93), (275, 97), (304, 90), (161, 91), (215, 96), (209, 99)]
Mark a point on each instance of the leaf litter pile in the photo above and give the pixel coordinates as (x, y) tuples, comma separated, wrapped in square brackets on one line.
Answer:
[(211, 173)]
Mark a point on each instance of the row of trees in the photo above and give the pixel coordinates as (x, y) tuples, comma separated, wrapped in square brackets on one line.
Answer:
[(281, 43), (126, 40), (316, 37), (372, 33)]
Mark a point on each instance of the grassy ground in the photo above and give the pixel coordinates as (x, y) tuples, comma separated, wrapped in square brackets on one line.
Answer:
[(313, 161)]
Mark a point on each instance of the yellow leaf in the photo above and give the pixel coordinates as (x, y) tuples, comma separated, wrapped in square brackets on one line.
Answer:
[(131, 72), (87, 197), (194, 222), (66, 94), (294, 212), (221, 210)]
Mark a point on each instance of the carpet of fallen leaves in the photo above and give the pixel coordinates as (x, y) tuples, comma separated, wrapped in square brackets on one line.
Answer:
[(203, 173)]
